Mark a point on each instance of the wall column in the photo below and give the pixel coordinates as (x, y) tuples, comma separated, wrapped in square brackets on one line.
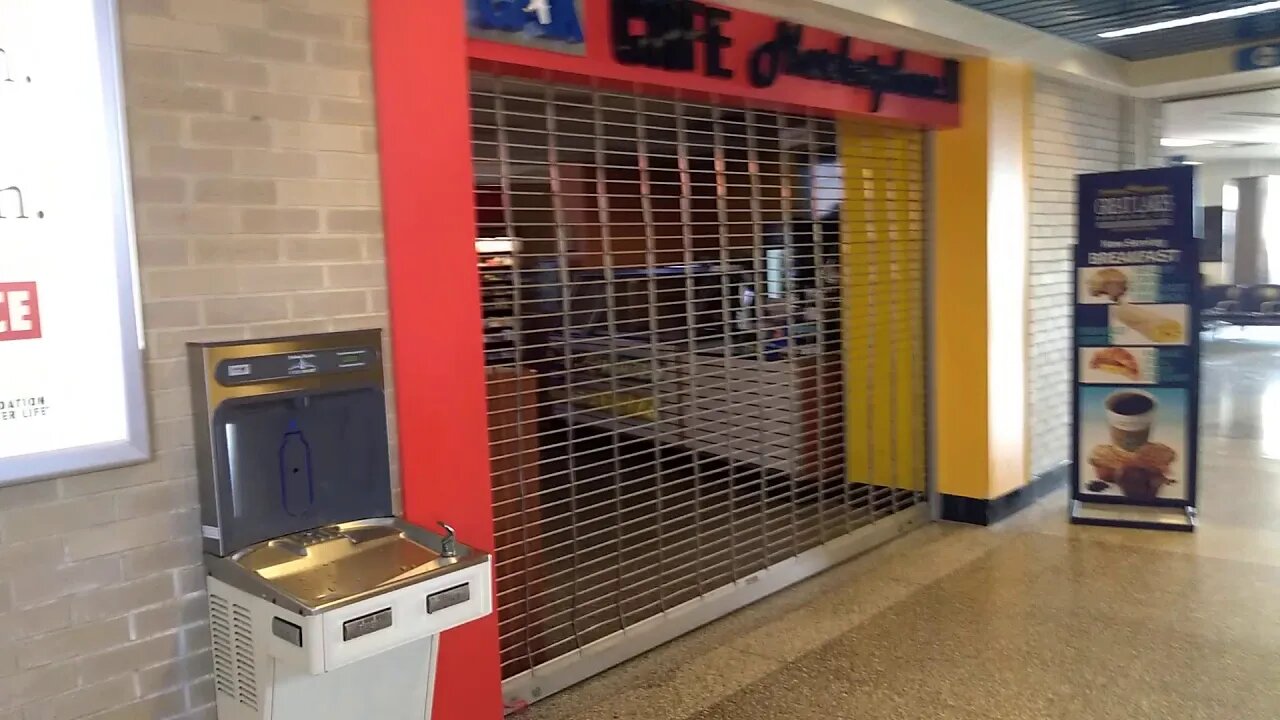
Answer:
[(1246, 268), (980, 298), (424, 132)]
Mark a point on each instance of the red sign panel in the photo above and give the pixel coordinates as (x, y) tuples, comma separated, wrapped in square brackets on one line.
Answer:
[(19, 311), (710, 51)]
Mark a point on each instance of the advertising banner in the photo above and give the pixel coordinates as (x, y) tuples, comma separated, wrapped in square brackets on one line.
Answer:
[(1137, 353), (71, 389)]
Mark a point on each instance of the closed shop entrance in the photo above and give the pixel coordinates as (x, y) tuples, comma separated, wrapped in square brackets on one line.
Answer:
[(705, 358)]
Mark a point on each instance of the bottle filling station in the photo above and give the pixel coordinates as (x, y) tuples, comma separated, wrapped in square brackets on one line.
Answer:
[(322, 603)]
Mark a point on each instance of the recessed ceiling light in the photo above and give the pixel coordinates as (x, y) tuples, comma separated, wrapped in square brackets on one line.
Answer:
[(1183, 142), (1194, 20), (1192, 162)]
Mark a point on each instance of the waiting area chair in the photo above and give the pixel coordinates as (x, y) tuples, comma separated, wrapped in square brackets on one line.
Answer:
[(1240, 305)]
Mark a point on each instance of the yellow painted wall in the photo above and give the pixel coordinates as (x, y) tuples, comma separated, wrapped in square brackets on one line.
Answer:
[(980, 191), (960, 291), (883, 265)]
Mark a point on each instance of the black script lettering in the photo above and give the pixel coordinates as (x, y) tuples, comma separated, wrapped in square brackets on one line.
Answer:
[(626, 47), (714, 42), (886, 78), (949, 87), (670, 36), (785, 55), (774, 57), (667, 40), (675, 49)]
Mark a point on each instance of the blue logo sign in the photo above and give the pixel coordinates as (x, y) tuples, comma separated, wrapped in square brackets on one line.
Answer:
[(1258, 57), (1258, 27), (555, 20)]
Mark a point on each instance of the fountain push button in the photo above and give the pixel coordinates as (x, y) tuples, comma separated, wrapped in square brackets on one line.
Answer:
[(366, 624)]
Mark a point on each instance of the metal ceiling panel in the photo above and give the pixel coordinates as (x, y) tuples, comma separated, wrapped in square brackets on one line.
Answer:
[(1081, 21)]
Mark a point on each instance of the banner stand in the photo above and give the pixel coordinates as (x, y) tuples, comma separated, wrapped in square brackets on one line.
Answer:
[(1128, 516), (1136, 370)]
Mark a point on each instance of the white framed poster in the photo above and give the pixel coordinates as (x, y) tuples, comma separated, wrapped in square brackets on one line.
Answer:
[(72, 394)]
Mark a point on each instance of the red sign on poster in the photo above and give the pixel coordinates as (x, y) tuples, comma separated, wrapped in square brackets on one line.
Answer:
[(19, 311), (714, 51)]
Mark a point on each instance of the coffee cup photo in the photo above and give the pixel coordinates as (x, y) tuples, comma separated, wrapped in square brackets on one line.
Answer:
[(1125, 450), (1130, 416)]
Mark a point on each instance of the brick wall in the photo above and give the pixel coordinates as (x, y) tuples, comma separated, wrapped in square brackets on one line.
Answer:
[(1075, 129), (251, 125)]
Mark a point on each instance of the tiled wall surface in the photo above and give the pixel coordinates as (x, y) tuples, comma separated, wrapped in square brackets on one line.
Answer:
[(251, 126), (1075, 129)]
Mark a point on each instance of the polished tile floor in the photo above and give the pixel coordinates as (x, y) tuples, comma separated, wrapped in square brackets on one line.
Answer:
[(1032, 619)]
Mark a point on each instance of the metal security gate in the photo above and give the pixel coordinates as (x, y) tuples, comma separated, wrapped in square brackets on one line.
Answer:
[(667, 359)]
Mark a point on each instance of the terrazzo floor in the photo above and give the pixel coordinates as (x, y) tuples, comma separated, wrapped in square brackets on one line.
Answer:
[(1034, 618)]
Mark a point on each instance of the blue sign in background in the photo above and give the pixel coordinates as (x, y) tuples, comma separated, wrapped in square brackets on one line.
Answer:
[(546, 24), (1136, 325), (1258, 57)]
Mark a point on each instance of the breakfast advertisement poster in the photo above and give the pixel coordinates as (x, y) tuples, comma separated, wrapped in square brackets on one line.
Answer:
[(1137, 354)]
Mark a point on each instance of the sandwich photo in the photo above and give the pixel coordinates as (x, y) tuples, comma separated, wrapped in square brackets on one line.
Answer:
[(1124, 365), (1148, 324), (1116, 361)]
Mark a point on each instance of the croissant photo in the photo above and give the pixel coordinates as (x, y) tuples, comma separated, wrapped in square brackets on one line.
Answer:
[(1117, 361)]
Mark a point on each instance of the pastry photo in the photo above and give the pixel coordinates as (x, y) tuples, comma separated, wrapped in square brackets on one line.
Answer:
[(1109, 282), (1117, 284), (1111, 365), (1138, 475)]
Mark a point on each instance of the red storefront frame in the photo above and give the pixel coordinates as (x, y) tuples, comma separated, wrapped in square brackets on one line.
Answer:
[(422, 57)]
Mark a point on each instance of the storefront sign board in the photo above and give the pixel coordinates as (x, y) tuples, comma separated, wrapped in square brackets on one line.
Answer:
[(544, 24), (708, 52), (72, 396), (1136, 389)]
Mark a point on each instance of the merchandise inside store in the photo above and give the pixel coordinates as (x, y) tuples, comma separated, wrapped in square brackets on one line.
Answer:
[(668, 333)]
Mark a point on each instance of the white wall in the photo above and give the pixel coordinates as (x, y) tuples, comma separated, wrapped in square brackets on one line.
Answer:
[(1075, 130), (1211, 176)]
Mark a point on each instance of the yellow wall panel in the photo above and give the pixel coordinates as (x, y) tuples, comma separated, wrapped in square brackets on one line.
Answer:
[(979, 268), (882, 314), (908, 377), (855, 264), (960, 299)]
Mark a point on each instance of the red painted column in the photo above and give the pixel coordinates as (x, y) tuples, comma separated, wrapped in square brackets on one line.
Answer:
[(424, 137)]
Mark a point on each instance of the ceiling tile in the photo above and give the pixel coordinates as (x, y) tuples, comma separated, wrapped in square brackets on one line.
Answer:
[(1082, 20)]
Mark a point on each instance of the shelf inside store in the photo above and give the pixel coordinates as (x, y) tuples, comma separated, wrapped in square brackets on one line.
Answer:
[(495, 259)]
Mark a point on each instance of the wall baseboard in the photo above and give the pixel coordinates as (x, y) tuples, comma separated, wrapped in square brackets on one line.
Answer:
[(977, 511)]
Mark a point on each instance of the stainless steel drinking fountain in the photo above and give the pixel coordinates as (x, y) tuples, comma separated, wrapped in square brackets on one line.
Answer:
[(322, 604)]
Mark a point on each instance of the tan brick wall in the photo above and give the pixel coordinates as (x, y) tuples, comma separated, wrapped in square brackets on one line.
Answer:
[(251, 130)]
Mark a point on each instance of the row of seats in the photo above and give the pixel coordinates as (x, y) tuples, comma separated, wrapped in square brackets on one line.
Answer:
[(1241, 305)]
